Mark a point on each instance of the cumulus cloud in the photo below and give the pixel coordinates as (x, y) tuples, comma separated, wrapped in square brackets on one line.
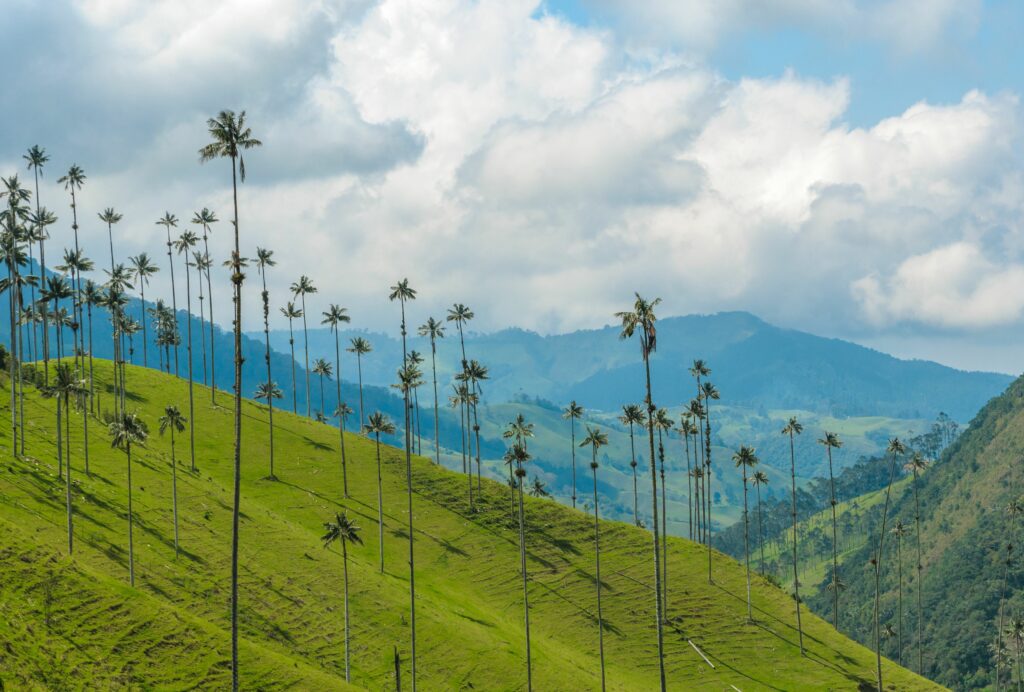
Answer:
[(538, 170)]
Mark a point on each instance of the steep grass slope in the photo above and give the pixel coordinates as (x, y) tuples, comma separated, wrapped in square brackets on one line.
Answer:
[(70, 623)]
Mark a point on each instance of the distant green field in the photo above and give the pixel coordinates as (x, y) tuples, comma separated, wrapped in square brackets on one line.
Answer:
[(75, 624)]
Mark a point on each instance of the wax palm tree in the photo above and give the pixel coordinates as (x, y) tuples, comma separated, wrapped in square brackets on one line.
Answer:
[(342, 411), (361, 347), (758, 479), (792, 428), (916, 466), (696, 410), (110, 217), (65, 386), (73, 181), (36, 159), (13, 256), (831, 441), (745, 459), (572, 413), (292, 313), (539, 489), (416, 358), (518, 456), (336, 316), (322, 369), (596, 439), (231, 137), (300, 289), (175, 422), (403, 293), (685, 430), (1013, 510), (1015, 633), (202, 262), (475, 374), (632, 416), (344, 531), (460, 315), (663, 424), (433, 330), (56, 289), (710, 393), (34, 232), (698, 370), (144, 269), (379, 424), (269, 391), (640, 320), (698, 477), (899, 531), (127, 429), (206, 218), (183, 245), (894, 449), (458, 400), (92, 297), (169, 221)]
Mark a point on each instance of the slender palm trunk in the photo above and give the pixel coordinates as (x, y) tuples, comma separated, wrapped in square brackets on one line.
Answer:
[(746, 543), (322, 409), (131, 522), (433, 365), (202, 328), (520, 475), (572, 439), (920, 566), (760, 528), (174, 489), (67, 480), (341, 418), (359, 368), (188, 352), (689, 483), (305, 345), (380, 508), (266, 358), (408, 485), (664, 527), (899, 592), (654, 515), (236, 280), (142, 318), (209, 290), (92, 389), (796, 575), (597, 569), (878, 573), (835, 542), (476, 433), (174, 294), (344, 562), (707, 490), (42, 282), (295, 386)]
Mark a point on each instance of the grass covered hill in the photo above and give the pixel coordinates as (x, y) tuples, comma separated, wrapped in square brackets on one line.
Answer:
[(74, 623)]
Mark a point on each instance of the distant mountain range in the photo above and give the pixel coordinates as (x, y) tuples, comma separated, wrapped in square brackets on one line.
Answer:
[(754, 364)]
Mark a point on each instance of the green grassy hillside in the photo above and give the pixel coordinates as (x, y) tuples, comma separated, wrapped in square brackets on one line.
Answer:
[(74, 623)]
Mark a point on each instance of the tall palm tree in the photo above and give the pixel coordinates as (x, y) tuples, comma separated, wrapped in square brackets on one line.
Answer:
[(792, 428), (72, 182), (292, 313), (231, 137), (640, 320), (378, 424), (13, 257), (916, 466), (686, 429), (300, 289), (206, 218), (894, 449), (127, 429), (572, 413), (632, 416), (519, 430), (322, 369), (361, 347), (169, 221), (184, 244), (434, 330), (416, 358), (710, 394), (698, 370), (663, 424), (92, 297), (403, 293), (458, 400), (269, 391), (596, 439), (475, 374), (36, 159), (175, 422), (144, 268), (899, 531), (518, 455), (746, 459), (696, 410), (110, 217), (344, 531), (34, 232), (1015, 633), (336, 316), (831, 441), (202, 262), (65, 386), (758, 479), (460, 315)]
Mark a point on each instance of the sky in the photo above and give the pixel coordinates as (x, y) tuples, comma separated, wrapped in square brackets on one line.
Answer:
[(851, 168)]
